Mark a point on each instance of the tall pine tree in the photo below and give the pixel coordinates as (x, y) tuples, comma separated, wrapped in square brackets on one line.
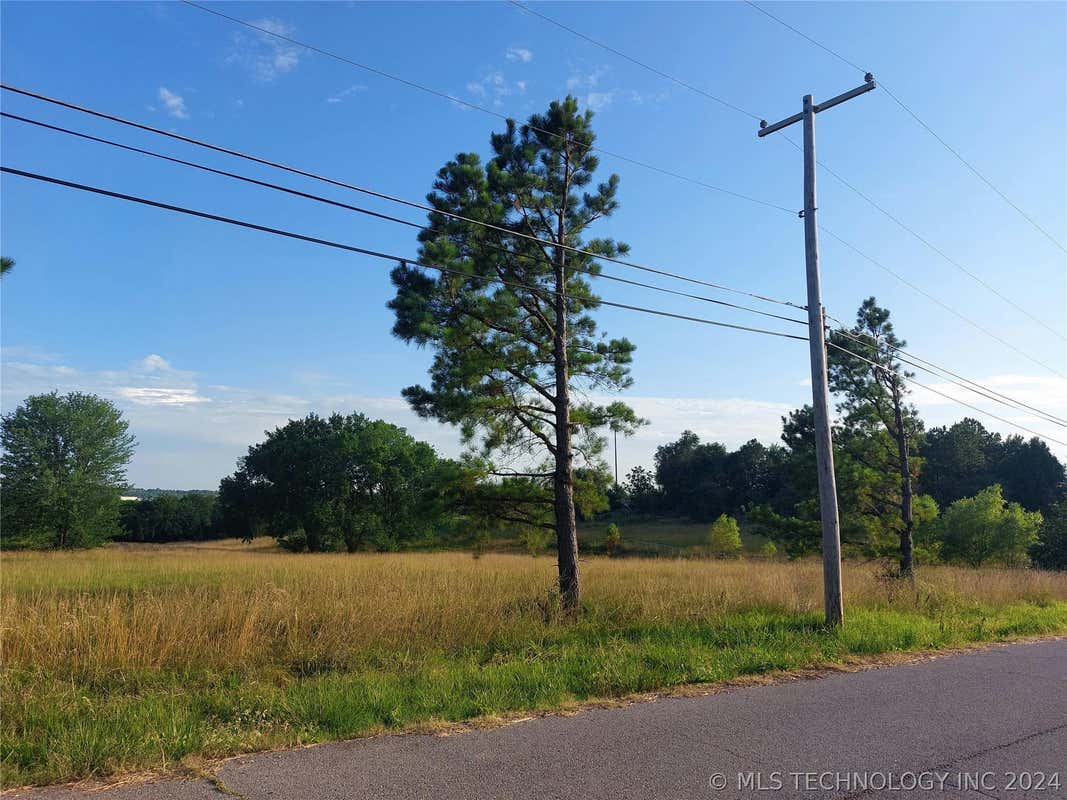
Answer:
[(511, 326), (876, 397)]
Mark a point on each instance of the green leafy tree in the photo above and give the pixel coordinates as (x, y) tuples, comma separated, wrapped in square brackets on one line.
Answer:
[(511, 323), (724, 537), (641, 491), (1050, 550), (874, 397), (958, 460), (986, 529), (64, 468), (339, 482), (1031, 475), (6, 265)]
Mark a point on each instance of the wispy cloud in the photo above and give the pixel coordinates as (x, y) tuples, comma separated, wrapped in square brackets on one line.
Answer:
[(347, 92), (588, 87), (173, 103), (264, 55), (519, 54), (494, 86)]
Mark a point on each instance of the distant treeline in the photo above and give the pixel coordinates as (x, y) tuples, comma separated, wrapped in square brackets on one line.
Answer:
[(151, 494), (979, 497), (171, 517)]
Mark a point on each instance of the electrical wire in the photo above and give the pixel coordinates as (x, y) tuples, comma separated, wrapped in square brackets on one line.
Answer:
[(384, 196), (941, 303), (893, 218), (950, 397), (381, 216), (446, 270), (920, 238), (963, 383), (475, 106), (374, 253), (631, 59), (974, 170)]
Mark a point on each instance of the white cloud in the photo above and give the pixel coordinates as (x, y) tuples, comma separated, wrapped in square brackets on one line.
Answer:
[(153, 362), (598, 101), (519, 54), (264, 55), (173, 103), (495, 86), (154, 396), (341, 95), (587, 80)]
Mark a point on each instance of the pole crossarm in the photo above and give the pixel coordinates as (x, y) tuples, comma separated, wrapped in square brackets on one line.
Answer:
[(868, 84)]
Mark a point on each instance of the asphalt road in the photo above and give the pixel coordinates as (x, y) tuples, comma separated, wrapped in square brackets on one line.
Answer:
[(980, 716)]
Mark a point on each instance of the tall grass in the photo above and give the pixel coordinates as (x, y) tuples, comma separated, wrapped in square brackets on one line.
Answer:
[(135, 657)]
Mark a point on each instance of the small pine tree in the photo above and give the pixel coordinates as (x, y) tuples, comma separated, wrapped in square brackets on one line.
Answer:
[(724, 538), (612, 539)]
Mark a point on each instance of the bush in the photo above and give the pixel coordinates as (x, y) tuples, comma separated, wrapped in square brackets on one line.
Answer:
[(985, 529), (768, 550), (724, 538), (612, 539)]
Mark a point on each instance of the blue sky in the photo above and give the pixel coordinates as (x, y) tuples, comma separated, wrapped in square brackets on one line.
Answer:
[(207, 335)]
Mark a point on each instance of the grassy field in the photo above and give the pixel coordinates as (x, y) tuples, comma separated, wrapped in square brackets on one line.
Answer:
[(148, 658)]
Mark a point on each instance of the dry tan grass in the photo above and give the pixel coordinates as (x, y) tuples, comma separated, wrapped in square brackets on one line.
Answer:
[(230, 605)]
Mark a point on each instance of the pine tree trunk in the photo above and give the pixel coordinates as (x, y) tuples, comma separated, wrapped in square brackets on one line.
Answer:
[(563, 480), (907, 568)]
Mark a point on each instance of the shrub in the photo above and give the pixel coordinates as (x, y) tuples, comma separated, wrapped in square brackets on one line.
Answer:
[(768, 550), (724, 538), (612, 539), (985, 529)]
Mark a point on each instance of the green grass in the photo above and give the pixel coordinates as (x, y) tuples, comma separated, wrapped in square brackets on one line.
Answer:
[(58, 729)]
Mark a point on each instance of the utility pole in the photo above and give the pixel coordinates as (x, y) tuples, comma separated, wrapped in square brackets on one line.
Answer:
[(820, 392)]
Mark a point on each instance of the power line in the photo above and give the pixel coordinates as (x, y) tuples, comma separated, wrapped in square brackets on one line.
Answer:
[(919, 237), (964, 383), (950, 397), (395, 258), (919, 120), (373, 253), (378, 215), (941, 303), (633, 60), (384, 196), (893, 218), (476, 106)]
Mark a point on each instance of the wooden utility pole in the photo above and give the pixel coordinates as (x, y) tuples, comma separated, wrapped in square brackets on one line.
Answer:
[(820, 392)]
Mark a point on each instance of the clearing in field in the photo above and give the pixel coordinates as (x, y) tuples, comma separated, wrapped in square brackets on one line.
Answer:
[(137, 657)]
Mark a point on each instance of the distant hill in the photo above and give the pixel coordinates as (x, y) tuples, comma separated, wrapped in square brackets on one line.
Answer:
[(151, 494)]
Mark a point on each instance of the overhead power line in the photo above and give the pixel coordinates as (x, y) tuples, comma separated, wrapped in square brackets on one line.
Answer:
[(379, 215), (940, 372), (477, 106), (934, 248), (424, 265), (880, 367), (960, 315), (973, 169), (384, 196), (632, 60), (373, 253), (865, 197)]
